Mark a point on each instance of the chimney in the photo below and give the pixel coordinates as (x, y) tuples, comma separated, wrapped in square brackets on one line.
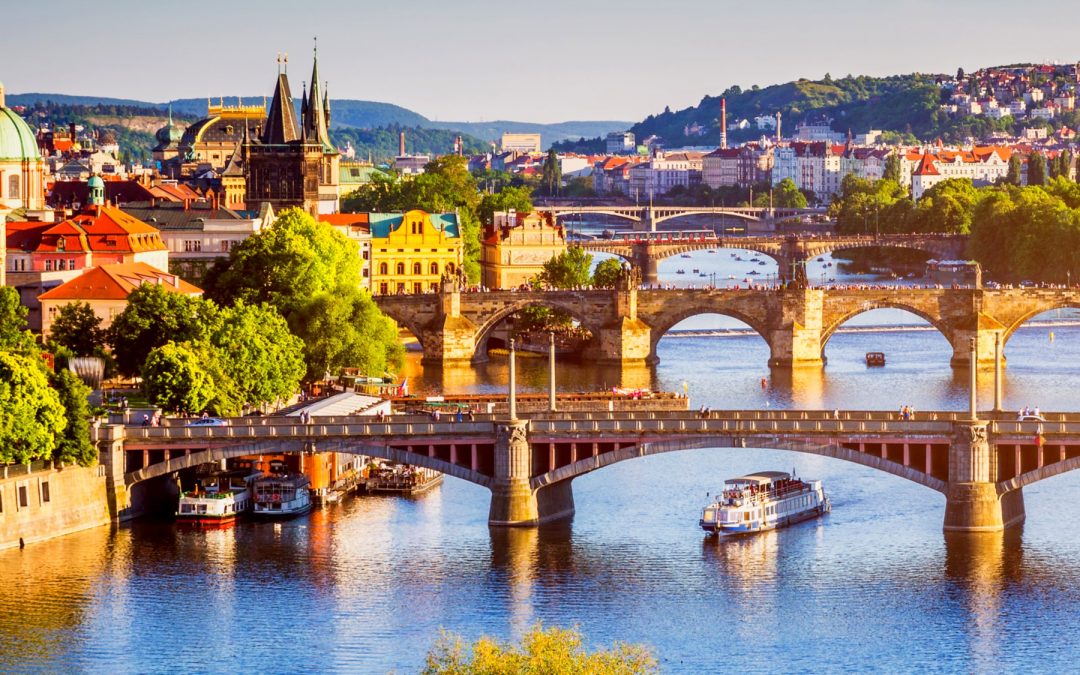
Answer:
[(723, 123), (71, 131), (401, 144), (778, 136), (187, 204), (458, 145)]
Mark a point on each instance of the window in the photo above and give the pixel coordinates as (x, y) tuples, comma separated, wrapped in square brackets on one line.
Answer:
[(365, 272), (417, 269), (401, 268), (418, 288), (434, 268), (24, 499), (13, 186), (48, 266), (225, 246), (192, 245), (45, 492), (383, 268), (71, 263), (384, 288)]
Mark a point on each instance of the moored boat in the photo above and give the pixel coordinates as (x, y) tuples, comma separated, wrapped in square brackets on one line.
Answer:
[(763, 501), (282, 496), (217, 499)]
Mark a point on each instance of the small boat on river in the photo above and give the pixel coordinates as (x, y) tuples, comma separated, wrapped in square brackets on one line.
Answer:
[(282, 496), (763, 501), (217, 499), (875, 358)]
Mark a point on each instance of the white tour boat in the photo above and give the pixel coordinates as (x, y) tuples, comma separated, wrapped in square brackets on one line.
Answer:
[(217, 499), (763, 501), (282, 496)]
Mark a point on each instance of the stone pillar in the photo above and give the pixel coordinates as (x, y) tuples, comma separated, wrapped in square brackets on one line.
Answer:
[(110, 442), (972, 502), (795, 337), (514, 503), (649, 264), (451, 338), (981, 327), (626, 339)]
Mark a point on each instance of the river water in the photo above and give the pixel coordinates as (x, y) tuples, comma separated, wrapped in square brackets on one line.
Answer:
[(366, 585)]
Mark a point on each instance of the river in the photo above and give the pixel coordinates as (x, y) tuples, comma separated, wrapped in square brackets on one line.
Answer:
[(366, 585)]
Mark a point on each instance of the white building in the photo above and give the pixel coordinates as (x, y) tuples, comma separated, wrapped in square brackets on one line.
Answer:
[(620, 143)]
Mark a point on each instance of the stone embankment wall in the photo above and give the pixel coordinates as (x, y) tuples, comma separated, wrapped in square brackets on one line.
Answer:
[(45, 501)]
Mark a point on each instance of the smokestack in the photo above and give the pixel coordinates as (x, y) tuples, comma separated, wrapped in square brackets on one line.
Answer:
[(401, 144), (778, 136), (458, 145), (723, 123), (71, 131)]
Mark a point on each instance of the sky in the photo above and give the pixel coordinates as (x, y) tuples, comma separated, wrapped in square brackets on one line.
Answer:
[(536, 61)]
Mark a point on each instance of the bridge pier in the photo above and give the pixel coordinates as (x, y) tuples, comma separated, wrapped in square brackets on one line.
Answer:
[(985, 330), (973, 503), (647, 260), (110, 441), (514, 502), (795, 342)]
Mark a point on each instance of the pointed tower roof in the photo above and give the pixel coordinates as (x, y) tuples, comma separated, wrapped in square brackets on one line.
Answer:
[(281, 120), (315, 118)]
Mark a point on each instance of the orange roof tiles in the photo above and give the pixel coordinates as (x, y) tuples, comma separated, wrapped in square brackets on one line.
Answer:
[(116, 282)]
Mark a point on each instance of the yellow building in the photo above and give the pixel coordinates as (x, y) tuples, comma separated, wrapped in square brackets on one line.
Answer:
[(410, 252), (517, 246)]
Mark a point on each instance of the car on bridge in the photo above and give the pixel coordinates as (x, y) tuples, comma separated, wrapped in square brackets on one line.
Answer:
[(207, 422)]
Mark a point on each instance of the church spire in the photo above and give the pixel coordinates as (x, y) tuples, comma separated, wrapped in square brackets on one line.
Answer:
[(316, 119), (281, 120)]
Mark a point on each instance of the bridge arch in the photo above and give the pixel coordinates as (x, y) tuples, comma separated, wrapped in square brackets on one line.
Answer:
[(659, 327), (616, 213), (1050, 306), (493, 320), (872, 304), (280, 445), (1042, 473), (812, 447), (719, 213)]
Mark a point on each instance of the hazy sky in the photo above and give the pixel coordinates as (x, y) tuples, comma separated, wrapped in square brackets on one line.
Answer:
[(539, 61)]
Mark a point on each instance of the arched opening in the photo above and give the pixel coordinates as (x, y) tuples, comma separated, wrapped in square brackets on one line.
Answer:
[(417, 270), (384, 269), (434, 269), (401, 269), (875, 264), (720, 358), (531, 327), (1043, 361)]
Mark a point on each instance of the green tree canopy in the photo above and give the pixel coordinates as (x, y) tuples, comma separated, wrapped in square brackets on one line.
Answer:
[(551, 176), (947, 207), (607, 273), (1036, 169), (153, 317), (517, 198), (787, 196), (865, 206), (541, 651), (346, 328), (569, 269), (1012, 177), (78, 328), (13, 333), (31, 415), (74, 445), (175, 378), (286, 264), (258, 353)]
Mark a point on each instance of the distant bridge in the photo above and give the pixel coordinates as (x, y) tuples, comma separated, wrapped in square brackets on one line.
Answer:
[(648, 217), (528, 464), (645, 250)]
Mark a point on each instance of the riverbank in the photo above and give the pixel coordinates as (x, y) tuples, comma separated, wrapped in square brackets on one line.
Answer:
[(43, 501)]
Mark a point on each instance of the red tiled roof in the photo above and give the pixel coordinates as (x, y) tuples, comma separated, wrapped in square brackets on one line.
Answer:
[(116, 282), (344, 218)]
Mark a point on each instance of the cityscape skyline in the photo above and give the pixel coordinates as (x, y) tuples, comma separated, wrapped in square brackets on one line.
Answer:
[(484, 75)]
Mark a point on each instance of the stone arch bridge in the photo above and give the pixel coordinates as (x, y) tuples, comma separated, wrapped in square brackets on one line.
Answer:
[(646, 250), (529, 464), (646, 218), (627, 323)]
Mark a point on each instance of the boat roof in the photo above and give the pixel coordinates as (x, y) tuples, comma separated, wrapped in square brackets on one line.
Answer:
[(760, 478)]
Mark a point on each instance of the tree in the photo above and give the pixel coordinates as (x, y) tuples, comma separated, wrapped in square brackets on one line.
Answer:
[(787, 196), (286, 264), (1012, 176), (174, 378), (892, 168), (346, 328), (551, 177), (31, 415), (1036, 169), (256, 352), (959, 74), (78, 328), (153, 317), (607, 273), (74, 445), (517, 198), (947, 207), (552, 650), (569, 269), (13, 333)]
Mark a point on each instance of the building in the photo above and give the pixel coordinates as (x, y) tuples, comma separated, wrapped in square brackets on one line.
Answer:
[(292, 163), (168, 144), (664, 172), (410, 252), (980, 165), (356, 227), (106, 289), (620, 143), (521, 143), (516, 246), (22, 168), (198, 232), (210, 142)]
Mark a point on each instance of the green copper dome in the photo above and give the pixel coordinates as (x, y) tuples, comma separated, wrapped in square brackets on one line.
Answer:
[(17, 141)]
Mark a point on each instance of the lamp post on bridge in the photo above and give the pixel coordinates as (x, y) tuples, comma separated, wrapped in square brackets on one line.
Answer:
[(974, 394), (997, 372), (551, 373), (513, 381)]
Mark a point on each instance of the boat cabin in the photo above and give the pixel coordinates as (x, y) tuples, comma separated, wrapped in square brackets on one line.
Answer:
[(875, 358)]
